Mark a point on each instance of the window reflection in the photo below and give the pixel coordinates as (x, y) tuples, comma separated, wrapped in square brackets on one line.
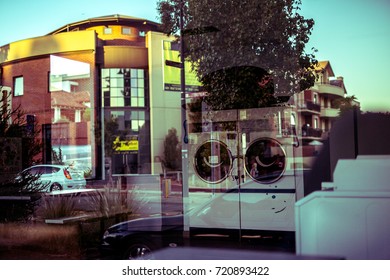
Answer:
[(123, 87), (126, 133), (69, 138)]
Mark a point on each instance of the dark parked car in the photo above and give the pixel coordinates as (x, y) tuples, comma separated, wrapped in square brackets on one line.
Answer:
[(212, 225), (139, 238)]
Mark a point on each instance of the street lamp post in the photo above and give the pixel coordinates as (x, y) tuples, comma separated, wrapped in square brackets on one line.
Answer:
[(184, 129)]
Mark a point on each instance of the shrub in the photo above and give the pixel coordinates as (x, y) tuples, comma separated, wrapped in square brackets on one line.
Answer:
[(20, 198), (57, 206), (172, 151)]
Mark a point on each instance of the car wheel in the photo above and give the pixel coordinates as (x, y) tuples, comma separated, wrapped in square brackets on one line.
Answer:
[(55, 187), (139, 250)]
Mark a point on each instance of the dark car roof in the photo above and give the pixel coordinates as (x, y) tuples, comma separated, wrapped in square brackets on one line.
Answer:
[(157, 223)]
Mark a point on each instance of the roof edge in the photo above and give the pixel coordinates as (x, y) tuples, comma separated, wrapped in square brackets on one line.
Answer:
[(116, 18)]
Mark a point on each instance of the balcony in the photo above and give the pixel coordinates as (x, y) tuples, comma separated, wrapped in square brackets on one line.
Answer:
[(330, 112), (309, 106), (329, 89), (309, 132)]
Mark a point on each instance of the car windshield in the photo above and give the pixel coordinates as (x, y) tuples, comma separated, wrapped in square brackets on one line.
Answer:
[(253, 124)]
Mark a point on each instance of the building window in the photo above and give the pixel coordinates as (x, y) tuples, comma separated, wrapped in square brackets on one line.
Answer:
[(137, 88), (316, 124), (127, 140), (18, 86), (126, 30), (315, 98), (123, 87), (126, 119), (107, 30), (142, 33), (137, 120)]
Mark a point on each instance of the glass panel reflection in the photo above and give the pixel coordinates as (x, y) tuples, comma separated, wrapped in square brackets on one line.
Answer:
[(71, 141)]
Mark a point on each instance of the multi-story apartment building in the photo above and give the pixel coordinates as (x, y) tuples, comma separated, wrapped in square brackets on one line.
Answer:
[(317, 109)]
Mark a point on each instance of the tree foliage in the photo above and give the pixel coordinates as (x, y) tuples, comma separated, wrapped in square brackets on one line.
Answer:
[(246, 53), (346, 104), (19, 143), (172, 150), (14, 124)]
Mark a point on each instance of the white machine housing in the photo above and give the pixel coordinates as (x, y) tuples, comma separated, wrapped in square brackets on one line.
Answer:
[(349, 217)]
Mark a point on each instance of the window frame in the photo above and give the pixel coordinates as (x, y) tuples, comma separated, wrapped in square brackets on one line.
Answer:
[(17, 85), (127, 32), (107, 30)]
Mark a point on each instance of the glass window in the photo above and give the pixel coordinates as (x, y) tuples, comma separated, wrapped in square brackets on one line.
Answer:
[(137, 120), (134, 83), (107, 30), (122, 131), (140, 73), (126, 30), (315, 123), (105, 73), (18, 86), (117, 102), (123, 87), (116, 92)]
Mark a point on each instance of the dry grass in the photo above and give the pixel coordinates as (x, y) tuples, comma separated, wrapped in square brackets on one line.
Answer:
[(56, 207), (52, 242), (113, 200)]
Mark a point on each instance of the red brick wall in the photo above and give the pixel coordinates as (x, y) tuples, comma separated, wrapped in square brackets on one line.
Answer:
[(308, 95), (36, 99)]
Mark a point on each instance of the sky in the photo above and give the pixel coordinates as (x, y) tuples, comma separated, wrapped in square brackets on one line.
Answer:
[(354, 35)]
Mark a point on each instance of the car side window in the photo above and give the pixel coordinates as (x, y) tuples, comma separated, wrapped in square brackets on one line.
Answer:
[(50, 170), (54, 169), (35, 171)]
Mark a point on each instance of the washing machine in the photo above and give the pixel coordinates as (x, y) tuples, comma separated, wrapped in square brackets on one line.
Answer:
[(244, 169)]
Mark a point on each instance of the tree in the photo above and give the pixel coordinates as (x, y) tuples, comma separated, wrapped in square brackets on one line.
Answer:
[(19, 145), (110, 133), (172, 150), (346, 104), (15, 123), (246, 53)]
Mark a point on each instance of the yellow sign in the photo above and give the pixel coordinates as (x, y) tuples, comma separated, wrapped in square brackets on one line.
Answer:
[(172, 74), (125, 145)]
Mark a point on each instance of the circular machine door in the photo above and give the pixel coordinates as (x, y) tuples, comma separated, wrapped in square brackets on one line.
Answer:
[(265, 160), (213, 161)]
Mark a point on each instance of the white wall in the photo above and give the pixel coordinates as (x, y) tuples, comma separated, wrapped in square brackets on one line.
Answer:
[(165, 111)]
